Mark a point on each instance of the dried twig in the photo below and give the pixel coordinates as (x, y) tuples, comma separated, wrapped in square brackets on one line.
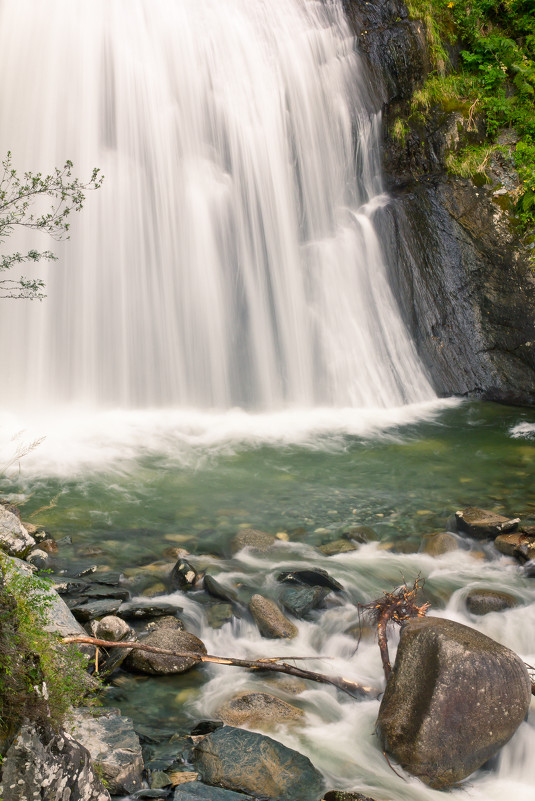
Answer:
[(270, 664), (394, 607)]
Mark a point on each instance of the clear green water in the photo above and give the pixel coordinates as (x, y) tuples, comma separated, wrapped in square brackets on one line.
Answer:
[(126, 503)]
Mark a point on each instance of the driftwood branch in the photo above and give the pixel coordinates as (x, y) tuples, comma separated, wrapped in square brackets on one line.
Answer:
[(273, 664)]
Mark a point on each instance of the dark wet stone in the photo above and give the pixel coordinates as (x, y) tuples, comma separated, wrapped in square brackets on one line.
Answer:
[(196, 791), (162, 664), (480, 524), (339, 795), (481, 602), (253, 763), (92, 609), (270, 620), (529, 569), (183, 575), (133, 610), (316, 577), (69, 585), (85, 571), (110, 577), (453, 699), (298, 601), (217, 590)]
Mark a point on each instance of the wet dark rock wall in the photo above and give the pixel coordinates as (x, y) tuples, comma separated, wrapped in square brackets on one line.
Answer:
[(460, 269)]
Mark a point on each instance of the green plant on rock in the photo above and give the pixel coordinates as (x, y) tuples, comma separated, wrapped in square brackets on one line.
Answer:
[(18, 195), (495, 78), (40, 679)]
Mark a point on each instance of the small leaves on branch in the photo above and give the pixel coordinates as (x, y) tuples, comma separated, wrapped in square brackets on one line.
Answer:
[(18, 194)]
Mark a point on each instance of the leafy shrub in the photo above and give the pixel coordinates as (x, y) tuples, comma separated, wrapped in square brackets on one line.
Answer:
[(40, 679)]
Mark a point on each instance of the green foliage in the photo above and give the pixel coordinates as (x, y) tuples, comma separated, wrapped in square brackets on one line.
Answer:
[(18, 194), (496, 76), (40, 679)]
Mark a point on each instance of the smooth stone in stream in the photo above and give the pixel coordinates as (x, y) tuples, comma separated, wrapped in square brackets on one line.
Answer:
[(453, 699), (38, 558), (511, 544), (298, 601), (91, 609), (312, 577), (270, 620), (481, 602), (196, 791), (163, 664), (252, 538), (439, 544), (481, 524), (253, 763), (258, 710), (361, 534), (337, 546), (217, 590)]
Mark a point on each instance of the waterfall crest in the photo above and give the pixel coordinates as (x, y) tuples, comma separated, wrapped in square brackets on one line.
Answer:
[(230, 259)]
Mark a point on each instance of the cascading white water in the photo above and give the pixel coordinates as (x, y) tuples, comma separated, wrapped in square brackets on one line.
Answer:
[(230, 257)]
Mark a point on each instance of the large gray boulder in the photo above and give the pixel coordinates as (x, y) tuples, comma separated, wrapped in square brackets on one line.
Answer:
[(453, 699), (113, 745), (253, 763), (50, 766), (14, 539)]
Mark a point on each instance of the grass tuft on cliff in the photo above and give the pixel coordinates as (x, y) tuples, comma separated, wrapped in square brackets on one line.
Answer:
[(484, 59)]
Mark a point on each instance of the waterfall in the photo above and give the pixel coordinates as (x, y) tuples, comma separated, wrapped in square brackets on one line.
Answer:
[(230, 258)]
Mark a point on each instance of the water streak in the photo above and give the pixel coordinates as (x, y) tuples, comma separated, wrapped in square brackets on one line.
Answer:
[(230, 258)]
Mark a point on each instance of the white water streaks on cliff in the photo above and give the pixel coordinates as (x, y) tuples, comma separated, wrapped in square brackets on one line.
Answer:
[(230, 259)]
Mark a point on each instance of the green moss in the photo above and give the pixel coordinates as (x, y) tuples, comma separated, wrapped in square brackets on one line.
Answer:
[(495, 78), (40, 679)]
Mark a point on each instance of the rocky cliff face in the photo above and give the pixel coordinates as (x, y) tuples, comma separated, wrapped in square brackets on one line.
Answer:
[(463, 275)]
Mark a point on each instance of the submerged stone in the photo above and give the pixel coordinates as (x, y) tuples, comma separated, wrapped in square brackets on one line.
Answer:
[(258, 710), (270, 620), (301, 600), (481, 524), (252, 538)]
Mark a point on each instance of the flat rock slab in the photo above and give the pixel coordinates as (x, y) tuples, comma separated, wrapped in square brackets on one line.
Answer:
[(114, 747), (248, 762), (482, 525), (197, 791), (137, 610), (453, 699), (49, 765)]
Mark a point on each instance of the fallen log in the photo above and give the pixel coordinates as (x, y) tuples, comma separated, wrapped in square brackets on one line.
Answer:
[(273, 664)]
